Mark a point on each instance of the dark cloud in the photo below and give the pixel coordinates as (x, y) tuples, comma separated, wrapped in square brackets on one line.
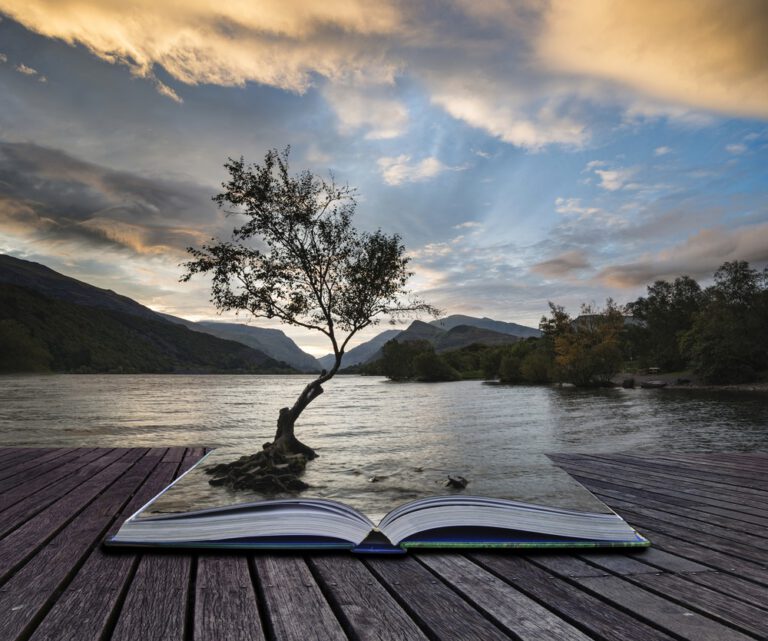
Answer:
[(563, 265), (699, 256), (55, 197)]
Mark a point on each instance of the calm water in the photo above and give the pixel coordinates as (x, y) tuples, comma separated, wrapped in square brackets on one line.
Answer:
[(410, 435)]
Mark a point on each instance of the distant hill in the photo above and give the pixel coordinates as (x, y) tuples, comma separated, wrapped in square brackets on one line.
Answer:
[(449, 322), (68, 325), (465, 335), (273, 342), (370, 350), (362, 353), (445, 341), (42, 279), (40, 333)]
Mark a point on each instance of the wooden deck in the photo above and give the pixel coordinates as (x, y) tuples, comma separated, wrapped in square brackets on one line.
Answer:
[(706, 577)]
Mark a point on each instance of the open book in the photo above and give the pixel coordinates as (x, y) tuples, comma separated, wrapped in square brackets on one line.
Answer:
[(189, 513)]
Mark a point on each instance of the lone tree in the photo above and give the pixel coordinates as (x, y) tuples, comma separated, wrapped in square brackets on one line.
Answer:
[(298, 258)]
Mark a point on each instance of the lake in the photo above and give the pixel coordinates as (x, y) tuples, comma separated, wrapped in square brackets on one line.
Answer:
[(408, 435)]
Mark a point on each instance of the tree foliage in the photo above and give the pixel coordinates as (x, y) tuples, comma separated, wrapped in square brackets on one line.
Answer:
[(728, 342), (587, 350), (665, 314), (297, 258)]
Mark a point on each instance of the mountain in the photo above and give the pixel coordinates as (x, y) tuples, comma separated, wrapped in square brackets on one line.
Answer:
[(449, 322), (42, 279), (416, 331), (465, 335), (38, 333), (273, 342), (363, 352), (446, 341), (51, 322)]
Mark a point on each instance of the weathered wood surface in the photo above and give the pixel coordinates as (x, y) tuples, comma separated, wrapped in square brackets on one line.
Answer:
[(705, 578)]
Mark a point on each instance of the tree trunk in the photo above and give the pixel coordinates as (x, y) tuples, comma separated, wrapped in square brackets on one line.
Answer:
[(285, 441)]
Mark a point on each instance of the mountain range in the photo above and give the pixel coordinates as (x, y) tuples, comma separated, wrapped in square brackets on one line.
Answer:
[(452, 332), (69, 325), (270, 341)]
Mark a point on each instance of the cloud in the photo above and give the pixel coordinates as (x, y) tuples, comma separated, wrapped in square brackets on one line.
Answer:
[(528, 73), (397, 170), (698, 256), (563, 265), (3, 58), (53, 198), (504, 112), (470, 224), (736, 149), (275, 42), (662, 151), (708, 54), (367, 108), (27, 71), (573, 206), (615, 179), (165, 90)]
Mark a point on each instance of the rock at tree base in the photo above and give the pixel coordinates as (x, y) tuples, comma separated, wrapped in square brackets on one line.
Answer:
[(267, 471)]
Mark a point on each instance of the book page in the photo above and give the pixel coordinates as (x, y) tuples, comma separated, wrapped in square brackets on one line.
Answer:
[(536, 480)]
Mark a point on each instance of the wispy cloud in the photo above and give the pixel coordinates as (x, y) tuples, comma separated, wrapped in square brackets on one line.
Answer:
[(397, 170), (51, 197), (563, 265), (698, 256)]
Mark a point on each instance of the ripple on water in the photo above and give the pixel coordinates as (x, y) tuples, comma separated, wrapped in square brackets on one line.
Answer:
[(363, 426)]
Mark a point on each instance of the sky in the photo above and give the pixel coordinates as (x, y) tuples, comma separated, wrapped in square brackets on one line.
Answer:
[(526, 151)]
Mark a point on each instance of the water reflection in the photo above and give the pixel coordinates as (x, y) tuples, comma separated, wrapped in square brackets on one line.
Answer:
[(409, 435)]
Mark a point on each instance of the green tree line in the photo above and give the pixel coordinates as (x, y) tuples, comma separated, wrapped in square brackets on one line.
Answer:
[(718, 332)]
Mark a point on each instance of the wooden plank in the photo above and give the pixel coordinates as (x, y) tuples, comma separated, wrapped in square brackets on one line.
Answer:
[(727, 609), (9, 454), (508, 607), (29, 592), (628, 564), (707, 556), (744, 464), (46, 477), (704, 507), (295, 606), (158, 597), (684, 469), (733, 585), (156, 604), (673, 515), (682, 621), (29, 466), (87, 606), (668, 561), (754, 498), (226, 606), (683, 592), (605, 474), (22, 511), (703, 536), (590, 614), (619, 563), (366, 609), (20, 544)]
